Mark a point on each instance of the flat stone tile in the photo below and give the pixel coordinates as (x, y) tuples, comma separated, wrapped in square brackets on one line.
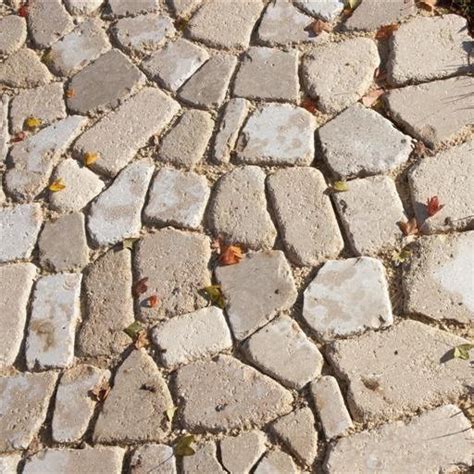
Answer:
[(149, 457), (12, 34), (24, 69), (204, 460), (4, 132), (9, 463), (327, 10), (83, 7), (183, 7), (120, 8), (276, 462), (240, 453)]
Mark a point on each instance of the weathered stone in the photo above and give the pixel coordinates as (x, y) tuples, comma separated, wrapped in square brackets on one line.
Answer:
[(152, 457), (240, 453), (135, 409), (439, 440), (346, 297), (9, 464), (224, 393), (438, 282), (204, 460), (306, 221), (74, 405), (4, 133), (24, 69), (261, 276), (83, 7), (116, 214), (408, 367), (370, 212), (277, 134), (12, 33), (104, 83), (54, 315), (183, 8), (118, 136), (339, 74), (231, 214), (23, 406), (175, 264), (132, 7), (276, 462), (327, 10)]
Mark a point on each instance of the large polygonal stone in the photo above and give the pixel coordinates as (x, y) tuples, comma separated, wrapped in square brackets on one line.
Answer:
[(276, 462), (83, 7), (12, 33), (24, 69), (327, 10), (183, 7), (240, 453), (131, 7), (204, 460), (149, 457)]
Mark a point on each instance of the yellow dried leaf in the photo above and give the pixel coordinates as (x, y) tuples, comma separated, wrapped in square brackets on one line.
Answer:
[(340, 186), (90, 158), (128, 243), (32, 123), (57, 185), (352, 4), (214, 295), (462, 351), (170, 413), (183, 445)]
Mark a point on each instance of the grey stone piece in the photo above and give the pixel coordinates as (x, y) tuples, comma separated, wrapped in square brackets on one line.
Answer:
[(276, 462), (24, 69), (153, 458), (4, 132), (83, 7), (12, 34), (240, 453), (204, 460), (327, 10), (183, 8), (9, 463), (119, 8)]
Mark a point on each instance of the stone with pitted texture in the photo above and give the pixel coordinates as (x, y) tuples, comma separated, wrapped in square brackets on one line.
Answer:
[(83, 7), (9, 463), (276, 462), (148, 457), (204, 460), (4, 132), (12, 33), (24, 69), (120, 8), (240, 453), (327, 10)]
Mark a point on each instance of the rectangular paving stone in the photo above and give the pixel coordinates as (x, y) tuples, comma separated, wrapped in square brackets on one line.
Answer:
[(131, 7), (4, 133), (148, 457), (12, 34)]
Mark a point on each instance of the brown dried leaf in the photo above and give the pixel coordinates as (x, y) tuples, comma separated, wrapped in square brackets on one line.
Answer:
[(318, 26), (230, 255), (57, 185), (100, 392), (410, 227), (23, 10), (420, 148), (433, 205), (70, 93), (140, 287), (90, 158), (372, 97), (152, 301), (386, 31), (20, 136), (428, 5), (309, 105), (141, 339)]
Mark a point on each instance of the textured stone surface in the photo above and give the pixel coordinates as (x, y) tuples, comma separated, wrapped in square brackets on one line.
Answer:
[(12, 33), (9, 463), (240, 453), (204, 460), (131, 7), (151, 457), (4, 133), (276, 462), (83, 7), (327, 10), (24, 69), (183, 7), (261, 276)]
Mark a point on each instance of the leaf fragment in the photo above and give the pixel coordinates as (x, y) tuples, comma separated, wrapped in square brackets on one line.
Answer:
[(352, 4), (170, 413), (410, 227), (142, 339), (57, 185), (90, 158), (181, 23), (183, 445), (433, 205), (140, 287), (309, 105), (340, 186), (230, 255), (70, 93), (401, 257), (23, 10), (152, 301), (20, 136), (384, 32), (462, 351), (128, 243), (420, 149), (214, 295), (32, 123), (319, 26), (372, 97), (100, 392), (428, 5)]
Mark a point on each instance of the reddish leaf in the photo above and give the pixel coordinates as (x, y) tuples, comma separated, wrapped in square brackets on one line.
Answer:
[(230, 255), (70, 93), (140, 287), (433, 206), (309, 105), (386, 31), (100, 392), (20, 136), (410, 227), (23, 10), (372, 97), (152, 301)]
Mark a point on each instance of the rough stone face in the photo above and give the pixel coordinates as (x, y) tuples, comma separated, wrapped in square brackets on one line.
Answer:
[(54, 315), (12, 34), (277, 134), (23, 405), (4, 133), (370, 211), (438, 282), (330, 406), (338, 75), (379, 383), (436, 441), (282, 350), (108, 305), (135, 409), (74, 406), (361, 142), (83, 7), (306, 221), (183, 7), (443, 45), (118, 136), (240, 453), (204, 460), (276, 462), (24, 69), (258, 71), (131, 7), (327, 10), (116, 214), (9, 464), (224, 393), (346, 297), (149, 457), (175, 263), (232, 216), (263, 277)]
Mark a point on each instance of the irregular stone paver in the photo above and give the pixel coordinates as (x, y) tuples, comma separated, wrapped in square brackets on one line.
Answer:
[(118, 136), (104, 83), (330, 406), (232, 216), (263, 277), (24, 403), (443, 43), (150, 457), (438, 282), (24, 69), (276, 462), (432, 112), (306, 221), (16, 281), (277, 134), (83, 7), (135, 409), (74, 405), (240, 453), (54, 315), (9, 464), (175, 63), (4, 133), (131, 7), (258, 70), (449, 176), (182, 8), (370, 211), (338, 75), (379, 383), (175, 264), (361, 142), (436, 441), (204, 460), (108, 305), (19, 228), (186, 143), (116, 214), (282, 350), (327, 10), (224, 393), (12, 34), (347, 297)]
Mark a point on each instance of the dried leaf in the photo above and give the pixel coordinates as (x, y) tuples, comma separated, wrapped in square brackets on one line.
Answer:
[(152, 301), (340, 186), (462, 351), (57, 185), (410, 227), (433, 206), (401, 257), (140, 287), (214, 295), (230, 255), (309, 105), (70, 93), (318, 26), (372, 97), (181, 23), (352, 4), (170, 413), (128, 243), (90, 158), (420, 148), (428, 5), (100, 392), (142, 339), (386, 31), (32, 123), (20, 136), (133, 330), (23, 10), (183, 445)]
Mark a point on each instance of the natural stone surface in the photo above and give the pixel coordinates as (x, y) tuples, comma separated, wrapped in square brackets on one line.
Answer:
[(306, 221), (327, 10), (4, 133), (233, 217), (443, 47), (379, 384), (263, 277), (9, 463), (224, 393), (338, 75), (436, 441), (152, 457), (83, 7), (116, 214), (276, 462), (12, 33), (370, 211), (361, 142), (54, 315), (24, 69), (135, 409), (438, 282), (204, 460), (277, 134), (183, 7), (240, 453), (347, 297), (282, 350), (131, 7)]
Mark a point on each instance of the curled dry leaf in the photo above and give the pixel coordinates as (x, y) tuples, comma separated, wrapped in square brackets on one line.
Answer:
[(462, 351), (140, 287), (230, 255), (372, 97), (386, 31), (152, 301), (433, 205), (90, 158), (410, 227), (420, 148), (318, 26), (100, 392), (340, 186), (214, 295), (23, 10), (70, 93), (428, 5), (183, 445), (309, 105), (32, 123), (57, 185)]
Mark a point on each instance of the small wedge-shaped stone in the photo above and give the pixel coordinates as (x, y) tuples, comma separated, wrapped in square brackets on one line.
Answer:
[(23, 406), (223, 394), (436, 441), (150, 457), (24, 69), (116, 214), (83, 7), (132, 7), (327, 10), (263, 277), (118, 136), (4, 132), (240, 453), (276, 462), (204, 460), (135, 409), (12, 33)]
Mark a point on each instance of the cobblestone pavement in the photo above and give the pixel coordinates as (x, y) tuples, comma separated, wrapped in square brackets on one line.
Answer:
[(235, 236)]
